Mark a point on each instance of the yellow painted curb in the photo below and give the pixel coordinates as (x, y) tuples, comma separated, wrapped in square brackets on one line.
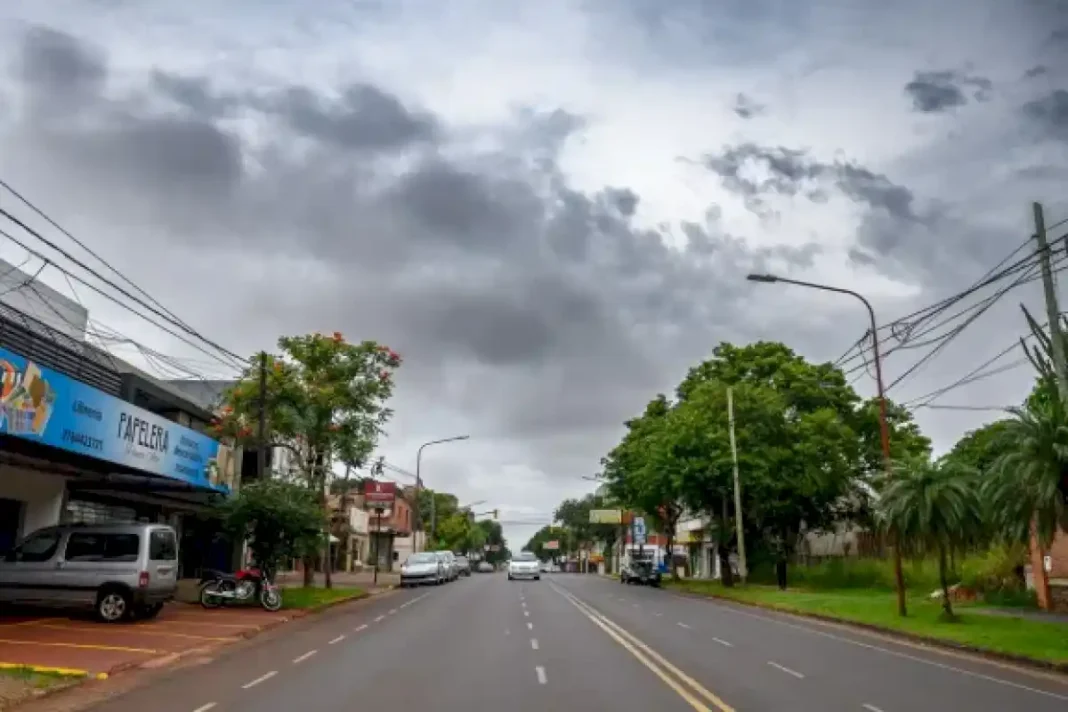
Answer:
[(45, 670)]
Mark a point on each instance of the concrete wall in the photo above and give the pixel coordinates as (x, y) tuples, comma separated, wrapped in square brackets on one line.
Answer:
[(40, 492)]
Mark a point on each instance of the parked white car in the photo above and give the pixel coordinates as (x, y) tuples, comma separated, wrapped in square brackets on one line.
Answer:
[(524, 565)]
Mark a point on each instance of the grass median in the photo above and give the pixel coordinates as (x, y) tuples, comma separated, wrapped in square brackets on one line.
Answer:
[(1044, 642), (18, 684), (312, 598)]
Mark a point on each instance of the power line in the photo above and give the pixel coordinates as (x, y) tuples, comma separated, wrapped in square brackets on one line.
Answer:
[(28, 203), (124, 305), (986, 305), (177, 323)]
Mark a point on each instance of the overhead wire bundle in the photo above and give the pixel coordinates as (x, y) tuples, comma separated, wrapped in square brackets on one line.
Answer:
[(932, 327), (128, 296)]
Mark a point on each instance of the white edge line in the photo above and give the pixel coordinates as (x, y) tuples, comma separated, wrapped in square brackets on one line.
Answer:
[(786, 670), (540, 671), (683, 625), (258, 680), (305, 656), (721, 641), (204, 708), (337, 639)]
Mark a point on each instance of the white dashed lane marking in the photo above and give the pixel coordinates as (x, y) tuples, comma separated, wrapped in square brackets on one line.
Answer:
[(361, 627), (204, 708), (534, 643), (871, 708), (337, 640), (683, 625), (721, 641), (305, 656), (786, 670), (380, 619), (541, 675), (258, 680), (530, 626)]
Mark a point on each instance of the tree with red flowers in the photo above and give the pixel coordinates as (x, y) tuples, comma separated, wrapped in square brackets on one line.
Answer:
[(325, 401)]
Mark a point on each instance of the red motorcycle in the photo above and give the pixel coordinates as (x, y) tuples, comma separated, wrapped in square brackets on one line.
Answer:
[(222, 589)]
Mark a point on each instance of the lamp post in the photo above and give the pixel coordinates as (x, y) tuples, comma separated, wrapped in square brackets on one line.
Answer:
[(884, 428), (419, 483)]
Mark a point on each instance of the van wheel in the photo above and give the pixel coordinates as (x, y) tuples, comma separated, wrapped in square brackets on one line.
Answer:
[(112, 605)]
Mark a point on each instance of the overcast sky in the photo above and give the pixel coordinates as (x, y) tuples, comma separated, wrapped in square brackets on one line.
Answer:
[(549, 208)]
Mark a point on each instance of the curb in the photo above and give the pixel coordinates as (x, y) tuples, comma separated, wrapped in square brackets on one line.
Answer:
[(54, 671), (1045, 665)]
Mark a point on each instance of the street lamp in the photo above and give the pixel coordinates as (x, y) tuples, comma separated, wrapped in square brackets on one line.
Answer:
[(418, 484), (884, 428)]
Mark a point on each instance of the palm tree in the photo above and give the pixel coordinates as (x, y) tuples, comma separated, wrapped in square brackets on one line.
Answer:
[(932, 507), (1028, 483)]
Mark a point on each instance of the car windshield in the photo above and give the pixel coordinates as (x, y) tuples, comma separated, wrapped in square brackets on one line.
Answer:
[(422, 559), (526, 557)]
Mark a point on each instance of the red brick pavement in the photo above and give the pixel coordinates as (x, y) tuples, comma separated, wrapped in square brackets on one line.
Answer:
[(85, 646)]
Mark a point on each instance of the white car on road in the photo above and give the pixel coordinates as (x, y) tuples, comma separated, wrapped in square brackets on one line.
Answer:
[(524, 565)]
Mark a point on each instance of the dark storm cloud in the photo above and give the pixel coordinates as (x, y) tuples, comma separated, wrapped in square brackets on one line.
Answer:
[(365, 117), (56, 63), (747, 108), (1050, 114), (896, 233), (937, 91), (490, 262)]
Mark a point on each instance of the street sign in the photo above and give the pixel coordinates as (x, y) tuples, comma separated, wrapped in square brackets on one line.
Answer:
[(379, 495), (638, 528), (606, 516)]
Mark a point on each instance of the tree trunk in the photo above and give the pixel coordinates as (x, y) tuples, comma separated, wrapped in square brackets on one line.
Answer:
[(328, 560), (780, 572), (309, 570), (726, 575), (947, 605)]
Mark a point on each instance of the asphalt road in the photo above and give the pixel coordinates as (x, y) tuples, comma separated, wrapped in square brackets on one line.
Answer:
[(571, 642)]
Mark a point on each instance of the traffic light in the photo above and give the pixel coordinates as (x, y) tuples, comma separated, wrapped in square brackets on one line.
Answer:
[(494, 513)]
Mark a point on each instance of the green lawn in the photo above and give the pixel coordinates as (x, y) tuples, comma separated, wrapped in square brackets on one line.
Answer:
[(1047, 642), (305, 598)]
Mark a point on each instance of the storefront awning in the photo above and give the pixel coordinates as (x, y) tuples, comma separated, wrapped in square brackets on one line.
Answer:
[(46, 408)]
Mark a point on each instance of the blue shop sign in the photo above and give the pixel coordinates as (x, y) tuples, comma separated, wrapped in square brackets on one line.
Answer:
[(39, 404)]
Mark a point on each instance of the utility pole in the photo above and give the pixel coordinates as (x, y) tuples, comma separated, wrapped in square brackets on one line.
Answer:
[(1060, 369), (739, 529), (419, 483), (261, 452), (1060, 366)]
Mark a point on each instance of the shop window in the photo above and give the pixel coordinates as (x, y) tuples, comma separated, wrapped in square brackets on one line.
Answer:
[(37, 548), (83, 512)]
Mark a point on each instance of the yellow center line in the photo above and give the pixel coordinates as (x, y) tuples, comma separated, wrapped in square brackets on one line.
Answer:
[(81, 646), (130, 630), (605, 622)]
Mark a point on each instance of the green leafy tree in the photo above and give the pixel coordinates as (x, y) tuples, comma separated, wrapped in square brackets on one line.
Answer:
[(325, 400), (494, 537), (932, 507), (280, 521), (981, 448), (798, 449)]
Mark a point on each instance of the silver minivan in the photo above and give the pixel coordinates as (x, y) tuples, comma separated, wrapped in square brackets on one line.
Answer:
[(117, 570)]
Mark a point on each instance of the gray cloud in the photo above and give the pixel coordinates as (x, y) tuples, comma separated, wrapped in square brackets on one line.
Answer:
[(747, 108), (937, 91), (1050, 114)]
